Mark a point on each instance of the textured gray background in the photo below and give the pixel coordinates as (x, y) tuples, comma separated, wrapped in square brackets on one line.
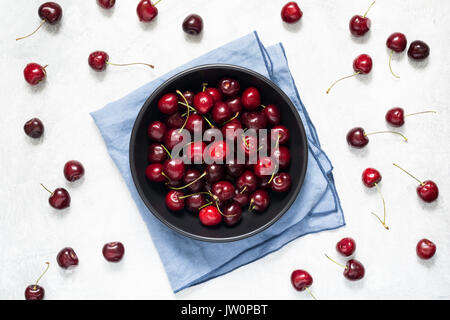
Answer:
[(319, 50)]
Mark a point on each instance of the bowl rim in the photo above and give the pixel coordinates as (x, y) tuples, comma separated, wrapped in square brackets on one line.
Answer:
[(143, 110)]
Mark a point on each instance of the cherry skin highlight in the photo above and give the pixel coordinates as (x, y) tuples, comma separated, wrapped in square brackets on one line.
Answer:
[(428, 191), (370, 177), (357, 138), (193, 24), (251, 98), (73, 170), (396, 42), (168, 104), (418, 50), (98, 60), (362, 64), (425, 249), (301, 280), (229, 87), (173, 200), (359, 25), (281, 182), (272, 114), (113, 251), (346, 246), (291, 13), (395, 117), (34, 73), (203, 102), (146, 11)]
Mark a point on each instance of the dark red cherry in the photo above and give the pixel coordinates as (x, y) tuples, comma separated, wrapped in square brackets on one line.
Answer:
[(156, 153), (291, 12), (173, 200), (259, 200), (223, 190), (106, 4), (247, 182), (154, 172), (249, 145), (34, 291), (34, 128), (147, 11), (214, 172), (218, 152), (59, 199), (195, 202), (229, 87), (98, 60), (193, 24), (174, 183), (174, 169), (172, 138), (395, 117), (346, 246), (272, 114), (168, 104), (156, 131), (265, 166), (359, 25), (113, 251), (210, 216), (264, 182), (357, 138), (362, 64), (254, 120), (189, 95), (354, 270), (73, 170), (425, 249), (281, 182), (215, 93), (428, 191), (242, 199), (51, 12), (396, 42), (230, 130), (203, 102), (67, 258), (301, 280), (251, 98), (234, 168), (281, 155), (195, 123), (34, 73), (418, 50), (232, 213), (371, 177), (234, 104), (221, 112), (195, 152), (175, 121), (280, 131)]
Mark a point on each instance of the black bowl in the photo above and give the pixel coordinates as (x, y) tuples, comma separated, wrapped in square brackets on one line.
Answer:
[(184, 222)]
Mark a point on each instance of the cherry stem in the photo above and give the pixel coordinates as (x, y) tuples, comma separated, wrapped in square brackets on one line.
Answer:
[(263, 106), (188, 109), (231, 119), (339, 264), (365, 14), (204, 86), (225, 215), (395, 132), (167, 151), (251, 206), (164, 175), (310, 293), (40, 25), (243, 189), (42, 274), (338, 80), (205, 205), (383, 222), (422, 112), (209, 122), (130, 64), (421, 182), (190, 183), (46, 189), (156, 2), (390, 68)]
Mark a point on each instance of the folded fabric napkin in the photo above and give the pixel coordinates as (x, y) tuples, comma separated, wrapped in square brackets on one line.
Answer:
[(316, 208)]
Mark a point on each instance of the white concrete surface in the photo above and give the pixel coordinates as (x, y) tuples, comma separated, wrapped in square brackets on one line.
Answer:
[(319, 49)]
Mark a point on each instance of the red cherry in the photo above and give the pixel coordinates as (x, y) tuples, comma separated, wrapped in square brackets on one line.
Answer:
[(229, 87), (193, 179), (168, 104), (427, 190), (346, 246), (98, 60), (174, 201), (175, 121), (147, 11), (265, 166), (230, 130), (362, 64), (272, 114), (172, 138), (106, 4), (73, 170), (203, 102), (281, 182), (34, 128), (214, 172), (259, 201), (242, 199), (174, 169), (210, 216), (418, 50), (251, 98), (291, 12), (360, 25), (156, 131), (34, 291), (193, 24), (234, 168), (67, 258), (357, 138), (113, 251), (254, 120), (425, 249), (223, 190), (34, 73), (221, 112), (395, 117), (195, 202), (215, 93), (247, 182), (301, 280), (59, 199), (354, 270), (155, 172), (232, 213), (371, 177), (195, 123), (396, 42), (156, 153), (49, 12), (235, 105)]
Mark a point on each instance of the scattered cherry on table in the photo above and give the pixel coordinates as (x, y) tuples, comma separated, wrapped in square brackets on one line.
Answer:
[(34, 128), (67, 258), (34, 73), (396, 116), (397, 43), (146, 10), (301, 280), (35, 291), (425, 249), (291, 12), (346, 246), (418, 50), (49, 12), (59, 199), (113, 251), (98, 60), (371, 178), (357, 137), (106, 4), (73, 170), (193, 24), (360, 25), (353, 269)]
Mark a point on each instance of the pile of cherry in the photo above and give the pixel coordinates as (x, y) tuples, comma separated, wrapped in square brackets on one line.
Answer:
[(219, 188)]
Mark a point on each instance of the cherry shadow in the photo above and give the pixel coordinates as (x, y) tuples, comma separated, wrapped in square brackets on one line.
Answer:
[(149, 26), (419, 64), (293, 27)]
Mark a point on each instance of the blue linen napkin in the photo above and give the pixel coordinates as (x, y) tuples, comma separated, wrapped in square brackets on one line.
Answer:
[(317, 207)]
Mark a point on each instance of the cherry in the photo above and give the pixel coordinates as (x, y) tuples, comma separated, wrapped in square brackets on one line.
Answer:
[(168, 104), (175, 120), (223, 190), (146, 10), (67, 258), (272, 114), (291, 12), (215, 93), (282, 156), (397, 43), (353, 270), (174, 200), (229, 129), (106, 4), (73, 170), (281, 182), (98, 60), (156, 153), (346, 246), (34, 73), (155, 172), (221, 112), (188, 95), (371, 177), (214, 172), (360, 25), (210, 216), (361, 65), (193, 24), (195, 202), (247, 182), (49, 12), (251, 98), (418, 50), (218, 151), (234, 104), (203, 102), (232, 213), (427, 190), (34, 128), (156, 131), (113, 251), (174, 169), (229, 87), (259, 201), (242, 199), (59, 199), (254, 120), (280, 133), (425, 249), (172, 138), (234, 168), (396, 116), (265, 166), (195, 123), (301, 280), (357, 138), (34, 291)]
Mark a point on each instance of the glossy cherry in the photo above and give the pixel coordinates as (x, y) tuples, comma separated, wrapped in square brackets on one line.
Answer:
[(232, 213), (195, 123), (272, 114), (280, 133), (174, 169), (254, 120), (418, 50), (34, 291), (156, 153), (291, 12), (195, 152), (251, 98), (175, 121), (172, 138), (259, 201), (191, 176), (168, 103), (59, 199), (113, 251), (346, 246), (156, 131), (357, 137), (371, 177), (34, 128), (155, 172), (247, 182), (231, 129), (98, 60), (234, 168), (362, 64), (73, 170), (265, 166), (146, 10), (174, 200), (189, 96), (425, 249), (210, 216), (281, 182), (396, 42), (221, 112), (67, 258), (215, 93), (427, 190), (223, 190), (195, 202), (106, 4), (49, 12), (282, 156), (234, 104), (203, 102), (360, 25), (301, 280), (34, 73), (214, 172), (229, 87), (353, 270), (193, 24)]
